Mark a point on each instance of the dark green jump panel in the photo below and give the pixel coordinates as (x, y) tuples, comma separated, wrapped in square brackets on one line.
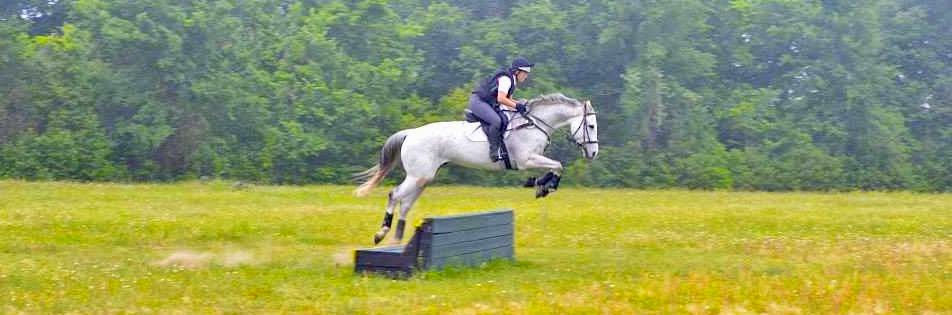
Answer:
[(385, 260), (456, 240)]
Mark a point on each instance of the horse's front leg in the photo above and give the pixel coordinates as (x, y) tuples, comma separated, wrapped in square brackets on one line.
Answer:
[(550, 181), (541, 161)]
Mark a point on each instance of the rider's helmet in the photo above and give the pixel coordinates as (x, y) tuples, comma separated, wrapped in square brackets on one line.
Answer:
[(521, 63)]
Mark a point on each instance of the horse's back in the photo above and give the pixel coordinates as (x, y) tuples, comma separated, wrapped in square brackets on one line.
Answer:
[(447, 141), (445, 130)]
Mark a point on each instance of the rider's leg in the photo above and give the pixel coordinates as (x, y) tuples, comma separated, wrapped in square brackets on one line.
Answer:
[(491, 121), (503, 125)]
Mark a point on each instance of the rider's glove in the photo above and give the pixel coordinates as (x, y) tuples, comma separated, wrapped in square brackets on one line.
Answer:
[(521, 108)]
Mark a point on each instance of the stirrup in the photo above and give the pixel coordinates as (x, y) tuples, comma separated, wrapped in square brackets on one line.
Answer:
[(498, 156)]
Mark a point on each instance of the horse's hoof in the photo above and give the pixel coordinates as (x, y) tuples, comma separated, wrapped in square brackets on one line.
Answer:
[(531, 182), (381, 234), (379, 237), (541, 191)]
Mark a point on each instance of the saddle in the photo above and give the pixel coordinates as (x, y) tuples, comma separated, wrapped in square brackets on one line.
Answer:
[(476, 134)]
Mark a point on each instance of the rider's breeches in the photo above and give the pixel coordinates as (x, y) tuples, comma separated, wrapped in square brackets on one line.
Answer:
[(492, 118)]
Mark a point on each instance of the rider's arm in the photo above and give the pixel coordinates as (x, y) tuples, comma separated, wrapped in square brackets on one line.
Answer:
[(501, 97), (503, 100)]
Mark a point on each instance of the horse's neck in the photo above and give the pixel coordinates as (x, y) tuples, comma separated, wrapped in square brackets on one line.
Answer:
[(555, 115)]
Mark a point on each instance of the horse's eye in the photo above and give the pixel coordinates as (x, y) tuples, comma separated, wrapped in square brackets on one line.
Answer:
[(591, 126)]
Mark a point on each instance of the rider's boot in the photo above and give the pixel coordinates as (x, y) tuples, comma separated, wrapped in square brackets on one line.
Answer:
[(494, 142), (494, 151), (503, 152)]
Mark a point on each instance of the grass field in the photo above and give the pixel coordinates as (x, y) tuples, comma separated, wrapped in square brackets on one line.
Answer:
[(208, 248)]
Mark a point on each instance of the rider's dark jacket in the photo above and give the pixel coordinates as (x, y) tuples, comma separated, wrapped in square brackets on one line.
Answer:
[(489, 88)]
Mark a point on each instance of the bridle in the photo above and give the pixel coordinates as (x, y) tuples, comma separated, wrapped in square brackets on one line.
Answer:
[(583, 127), (533, 120)]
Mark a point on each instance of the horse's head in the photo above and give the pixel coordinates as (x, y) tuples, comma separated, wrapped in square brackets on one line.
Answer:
[(584, 128), (554, 111)]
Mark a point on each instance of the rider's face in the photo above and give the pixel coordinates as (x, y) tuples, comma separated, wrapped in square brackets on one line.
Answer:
[(521, 76)]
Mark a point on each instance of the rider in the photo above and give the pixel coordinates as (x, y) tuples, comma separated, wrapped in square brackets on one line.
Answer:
[(494, 92)]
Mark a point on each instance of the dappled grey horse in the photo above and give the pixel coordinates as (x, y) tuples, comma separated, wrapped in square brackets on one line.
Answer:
[(423, 150)]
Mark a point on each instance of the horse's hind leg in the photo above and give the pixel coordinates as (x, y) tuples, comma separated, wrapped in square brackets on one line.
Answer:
[(421, 169), (406, 203), (406, 195), (387, 218)]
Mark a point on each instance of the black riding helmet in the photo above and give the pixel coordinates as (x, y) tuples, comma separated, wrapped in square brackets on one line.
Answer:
[(521, 63)]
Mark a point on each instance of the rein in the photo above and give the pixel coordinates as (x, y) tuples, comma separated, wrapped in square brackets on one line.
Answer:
[(533, 120)]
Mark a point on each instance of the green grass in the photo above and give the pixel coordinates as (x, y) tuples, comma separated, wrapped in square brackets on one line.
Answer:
[(99, 248)]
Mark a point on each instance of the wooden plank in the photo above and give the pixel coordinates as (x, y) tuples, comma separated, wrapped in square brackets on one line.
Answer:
[(392, 272), (391, 261), (471, 235), (471, 259), (387, 249), (461, 248), (470, 214), (384, 260), (391, 256), (363, 268), (445, 224), (464, 222)]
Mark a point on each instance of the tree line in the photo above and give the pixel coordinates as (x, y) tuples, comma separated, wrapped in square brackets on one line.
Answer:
[(722, 94)]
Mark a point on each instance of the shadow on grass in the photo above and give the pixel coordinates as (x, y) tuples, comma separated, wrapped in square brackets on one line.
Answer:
[(493, 268)]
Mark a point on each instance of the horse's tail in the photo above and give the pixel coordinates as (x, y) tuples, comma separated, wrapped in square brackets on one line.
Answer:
[(389, 155)]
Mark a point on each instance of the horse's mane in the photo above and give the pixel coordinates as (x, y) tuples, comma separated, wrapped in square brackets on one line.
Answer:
[(554, 98)]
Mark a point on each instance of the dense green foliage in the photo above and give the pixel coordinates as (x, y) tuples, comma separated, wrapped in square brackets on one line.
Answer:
[(743, 94)]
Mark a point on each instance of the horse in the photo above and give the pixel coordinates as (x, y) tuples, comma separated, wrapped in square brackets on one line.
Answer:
[(425, 149)]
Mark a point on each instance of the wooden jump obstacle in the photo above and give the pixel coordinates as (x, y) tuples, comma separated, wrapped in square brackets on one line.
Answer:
[(454, 240)]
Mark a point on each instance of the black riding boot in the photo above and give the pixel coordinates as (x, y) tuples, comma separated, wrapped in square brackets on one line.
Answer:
[(494, 143), (503, 152)]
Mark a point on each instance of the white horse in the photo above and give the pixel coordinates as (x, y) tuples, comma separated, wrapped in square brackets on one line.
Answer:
[(425, 149)]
